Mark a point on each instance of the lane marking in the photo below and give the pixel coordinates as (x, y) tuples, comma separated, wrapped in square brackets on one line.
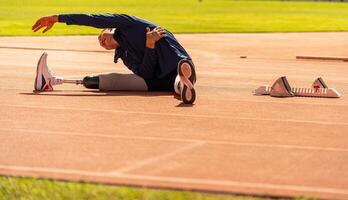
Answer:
[(113, 136), (180, 180), (52, 170), (177, 115), (260, 99), (287, 187), (148, 161)]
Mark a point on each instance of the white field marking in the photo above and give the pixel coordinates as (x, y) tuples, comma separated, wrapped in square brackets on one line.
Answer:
[(154, 159), (287, 187), (260, 99), (179, 180), (269, 100), (177, 115), (52, 170), (113, 136)]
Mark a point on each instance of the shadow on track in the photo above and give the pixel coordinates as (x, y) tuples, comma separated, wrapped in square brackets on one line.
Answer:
[(91, 93), (98, 93)]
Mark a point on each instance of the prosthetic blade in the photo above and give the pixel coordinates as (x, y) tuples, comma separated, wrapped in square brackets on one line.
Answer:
[(77, 82)]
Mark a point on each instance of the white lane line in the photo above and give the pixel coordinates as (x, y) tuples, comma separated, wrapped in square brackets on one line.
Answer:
[(148, 161), (258, 99), (177, 114), (52, 170), (179, 180), (288, 187), (184, 140)]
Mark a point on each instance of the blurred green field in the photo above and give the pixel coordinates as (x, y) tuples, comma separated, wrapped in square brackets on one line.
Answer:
[(184, 16), (32, 189)]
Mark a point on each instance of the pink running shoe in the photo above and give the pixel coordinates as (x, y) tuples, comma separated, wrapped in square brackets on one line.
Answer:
[(186, 71), (44, 79)]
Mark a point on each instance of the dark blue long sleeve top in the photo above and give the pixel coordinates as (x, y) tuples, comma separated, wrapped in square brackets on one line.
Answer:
[(130, 33)]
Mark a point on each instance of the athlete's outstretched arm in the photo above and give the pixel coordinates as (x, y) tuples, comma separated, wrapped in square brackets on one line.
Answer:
[(47, 21), (93, 20)]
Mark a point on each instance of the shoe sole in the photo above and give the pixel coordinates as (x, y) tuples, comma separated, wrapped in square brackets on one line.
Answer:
[(187, 75), (38, 78)]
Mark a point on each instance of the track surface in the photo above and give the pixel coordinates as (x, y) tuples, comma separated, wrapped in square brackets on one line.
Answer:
[(230, 141)]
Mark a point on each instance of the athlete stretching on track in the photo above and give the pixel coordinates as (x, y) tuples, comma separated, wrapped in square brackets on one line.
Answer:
[(156, 58)]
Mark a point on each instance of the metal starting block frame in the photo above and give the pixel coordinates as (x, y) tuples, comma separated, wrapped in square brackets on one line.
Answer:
[(281, 88)]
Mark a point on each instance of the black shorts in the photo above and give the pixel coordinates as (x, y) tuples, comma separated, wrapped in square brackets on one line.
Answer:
[(165, 84)]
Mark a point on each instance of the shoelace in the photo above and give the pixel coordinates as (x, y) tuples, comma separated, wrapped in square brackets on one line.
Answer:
[(55, 80)]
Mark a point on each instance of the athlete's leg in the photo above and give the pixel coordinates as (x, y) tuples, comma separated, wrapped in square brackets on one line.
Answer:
[(45, 80), (121, 82)]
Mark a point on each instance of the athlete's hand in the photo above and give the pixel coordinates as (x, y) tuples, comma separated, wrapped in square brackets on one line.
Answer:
[(153, 36), (47, 22)]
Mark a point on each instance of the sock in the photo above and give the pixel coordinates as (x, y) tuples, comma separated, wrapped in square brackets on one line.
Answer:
[(91, 82)]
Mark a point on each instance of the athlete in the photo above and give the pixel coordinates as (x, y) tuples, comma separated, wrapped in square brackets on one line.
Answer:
[(157, 60)]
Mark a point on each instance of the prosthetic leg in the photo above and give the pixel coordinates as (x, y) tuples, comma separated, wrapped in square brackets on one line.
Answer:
[(91, 82), (45, 79)]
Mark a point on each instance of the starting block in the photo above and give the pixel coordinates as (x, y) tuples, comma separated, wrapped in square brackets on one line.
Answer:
[(281, 88)]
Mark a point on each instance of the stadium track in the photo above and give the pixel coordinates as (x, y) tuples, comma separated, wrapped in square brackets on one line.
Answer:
[(228, 142)]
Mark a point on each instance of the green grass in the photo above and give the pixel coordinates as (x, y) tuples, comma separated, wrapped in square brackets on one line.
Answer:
[(32, 189), (184, 16)]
